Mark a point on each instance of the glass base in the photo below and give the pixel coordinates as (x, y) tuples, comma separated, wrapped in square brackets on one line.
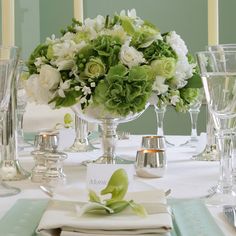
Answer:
[(210, 153), (221, 199), (168, 144), (107, 160), (6, 190), (191, 143), (81, 145), (11, 170)]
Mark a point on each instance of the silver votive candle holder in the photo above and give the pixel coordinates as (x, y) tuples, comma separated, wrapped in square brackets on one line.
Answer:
[(44, 142), (150, 163), (153, 142)]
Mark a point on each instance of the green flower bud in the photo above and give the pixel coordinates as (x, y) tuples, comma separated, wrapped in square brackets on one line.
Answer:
[(164, 67), (94, 68), (50, 52)]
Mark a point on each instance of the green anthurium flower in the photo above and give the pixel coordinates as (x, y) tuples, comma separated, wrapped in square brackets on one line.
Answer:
[(117, 186)]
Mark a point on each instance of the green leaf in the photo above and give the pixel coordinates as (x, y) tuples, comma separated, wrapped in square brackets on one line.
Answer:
[(93, 197), (138, 209), (194, 82), (118, 206), (93, 207)]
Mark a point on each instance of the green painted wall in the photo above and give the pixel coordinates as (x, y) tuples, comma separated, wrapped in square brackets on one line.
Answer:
[(38, 19)]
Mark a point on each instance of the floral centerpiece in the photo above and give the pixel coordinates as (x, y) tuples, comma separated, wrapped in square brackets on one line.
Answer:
[(109, 68), (114, 63)]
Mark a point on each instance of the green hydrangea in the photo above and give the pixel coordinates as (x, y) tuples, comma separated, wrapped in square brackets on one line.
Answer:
[(124, 91)]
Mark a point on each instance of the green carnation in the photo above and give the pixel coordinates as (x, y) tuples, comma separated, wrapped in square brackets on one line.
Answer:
[(124, 91), (164, 67), (94, 68)]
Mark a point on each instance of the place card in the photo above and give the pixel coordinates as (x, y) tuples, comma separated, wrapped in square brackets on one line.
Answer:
[(98, 175)]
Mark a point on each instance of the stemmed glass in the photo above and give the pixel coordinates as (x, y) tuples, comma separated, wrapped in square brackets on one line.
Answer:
[(218, 72), (160, 113), (8, 62), (21, 104), (194, 109)]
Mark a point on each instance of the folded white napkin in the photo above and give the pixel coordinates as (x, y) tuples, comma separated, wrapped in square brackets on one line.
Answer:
[(61, 218)]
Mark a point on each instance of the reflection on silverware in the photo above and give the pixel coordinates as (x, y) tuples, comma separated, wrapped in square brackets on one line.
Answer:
[(123, 135), (46, 190), (230, 213), (150, 163)]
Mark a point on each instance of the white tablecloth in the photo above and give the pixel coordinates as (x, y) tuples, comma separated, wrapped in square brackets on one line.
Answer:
[(185, 177)]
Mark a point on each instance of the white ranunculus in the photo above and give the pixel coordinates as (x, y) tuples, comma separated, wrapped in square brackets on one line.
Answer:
[(159, 85), (35, 92), (130, 56), (49, 77)]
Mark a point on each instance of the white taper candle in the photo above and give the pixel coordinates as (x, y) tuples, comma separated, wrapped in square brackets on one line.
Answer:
[(8, 22), (213, 22)]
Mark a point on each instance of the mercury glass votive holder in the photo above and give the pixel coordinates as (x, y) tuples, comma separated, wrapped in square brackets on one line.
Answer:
[(150, 163)]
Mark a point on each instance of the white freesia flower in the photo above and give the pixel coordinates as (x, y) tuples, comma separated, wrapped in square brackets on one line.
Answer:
[(63, 86), (174, 100), (39, 61), (153, 99), (64, 64), (159, 85), (68, 36), (49, 77), (67, 48), (130, 56), (86, 90), (177, 43), (52, 40), (184, 69)]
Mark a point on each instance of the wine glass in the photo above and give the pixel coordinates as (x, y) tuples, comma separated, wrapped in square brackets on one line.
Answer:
[(21, 105), (8, 63), (194, 109), (218, 72)]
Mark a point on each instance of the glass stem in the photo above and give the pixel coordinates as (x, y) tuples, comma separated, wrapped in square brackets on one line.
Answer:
[(225, 148), (20, 130), (160, 113), (194, 117), (109, 140), (81, 129)]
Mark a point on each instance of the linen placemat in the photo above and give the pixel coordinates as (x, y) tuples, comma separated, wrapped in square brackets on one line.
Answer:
[(190, 217)]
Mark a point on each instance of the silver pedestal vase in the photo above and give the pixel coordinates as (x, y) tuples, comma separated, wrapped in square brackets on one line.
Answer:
[(108, 123), (81, 142)]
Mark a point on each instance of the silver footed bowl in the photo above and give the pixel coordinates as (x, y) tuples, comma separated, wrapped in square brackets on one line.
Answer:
[(108, 123)]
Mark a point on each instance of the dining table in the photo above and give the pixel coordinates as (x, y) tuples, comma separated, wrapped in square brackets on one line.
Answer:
[(185, 177)]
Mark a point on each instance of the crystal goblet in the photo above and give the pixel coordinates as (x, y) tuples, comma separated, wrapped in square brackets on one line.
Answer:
[(108, 123), (8, 63), (218, 72), (194, 109)]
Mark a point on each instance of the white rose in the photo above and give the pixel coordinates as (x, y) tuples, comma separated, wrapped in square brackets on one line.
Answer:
[(130, 56), (35, 92), (49, 77)]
